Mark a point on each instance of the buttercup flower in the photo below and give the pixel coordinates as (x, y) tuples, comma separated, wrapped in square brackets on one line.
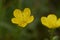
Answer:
[(22, 18), (50, 21)]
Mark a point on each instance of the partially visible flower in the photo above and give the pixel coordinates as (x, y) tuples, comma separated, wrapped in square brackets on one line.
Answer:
[(22, 18), (51, 21)]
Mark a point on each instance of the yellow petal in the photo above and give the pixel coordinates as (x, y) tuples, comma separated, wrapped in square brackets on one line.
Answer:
[(26, 12), (30, 19), (52, 19), (17, 13), (22, 24), (44, 21), (58, 22), (14, 20)]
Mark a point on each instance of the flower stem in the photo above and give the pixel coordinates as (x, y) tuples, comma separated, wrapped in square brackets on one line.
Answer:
[(51, 31)]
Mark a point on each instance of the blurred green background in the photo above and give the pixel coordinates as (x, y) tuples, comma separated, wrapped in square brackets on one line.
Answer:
[(34, 30)]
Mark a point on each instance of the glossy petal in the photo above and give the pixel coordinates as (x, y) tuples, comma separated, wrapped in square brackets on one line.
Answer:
[(58, 22), (22, 24), (52, 19), (44, 21), (17, 13), (14, 20), (31, 18), (26, 12)]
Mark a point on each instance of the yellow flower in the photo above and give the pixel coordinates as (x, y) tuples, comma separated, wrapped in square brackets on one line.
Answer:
[(50, 21), (22, 18)]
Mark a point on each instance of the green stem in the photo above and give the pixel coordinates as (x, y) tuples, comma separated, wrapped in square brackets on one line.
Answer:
[(51, 33)]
